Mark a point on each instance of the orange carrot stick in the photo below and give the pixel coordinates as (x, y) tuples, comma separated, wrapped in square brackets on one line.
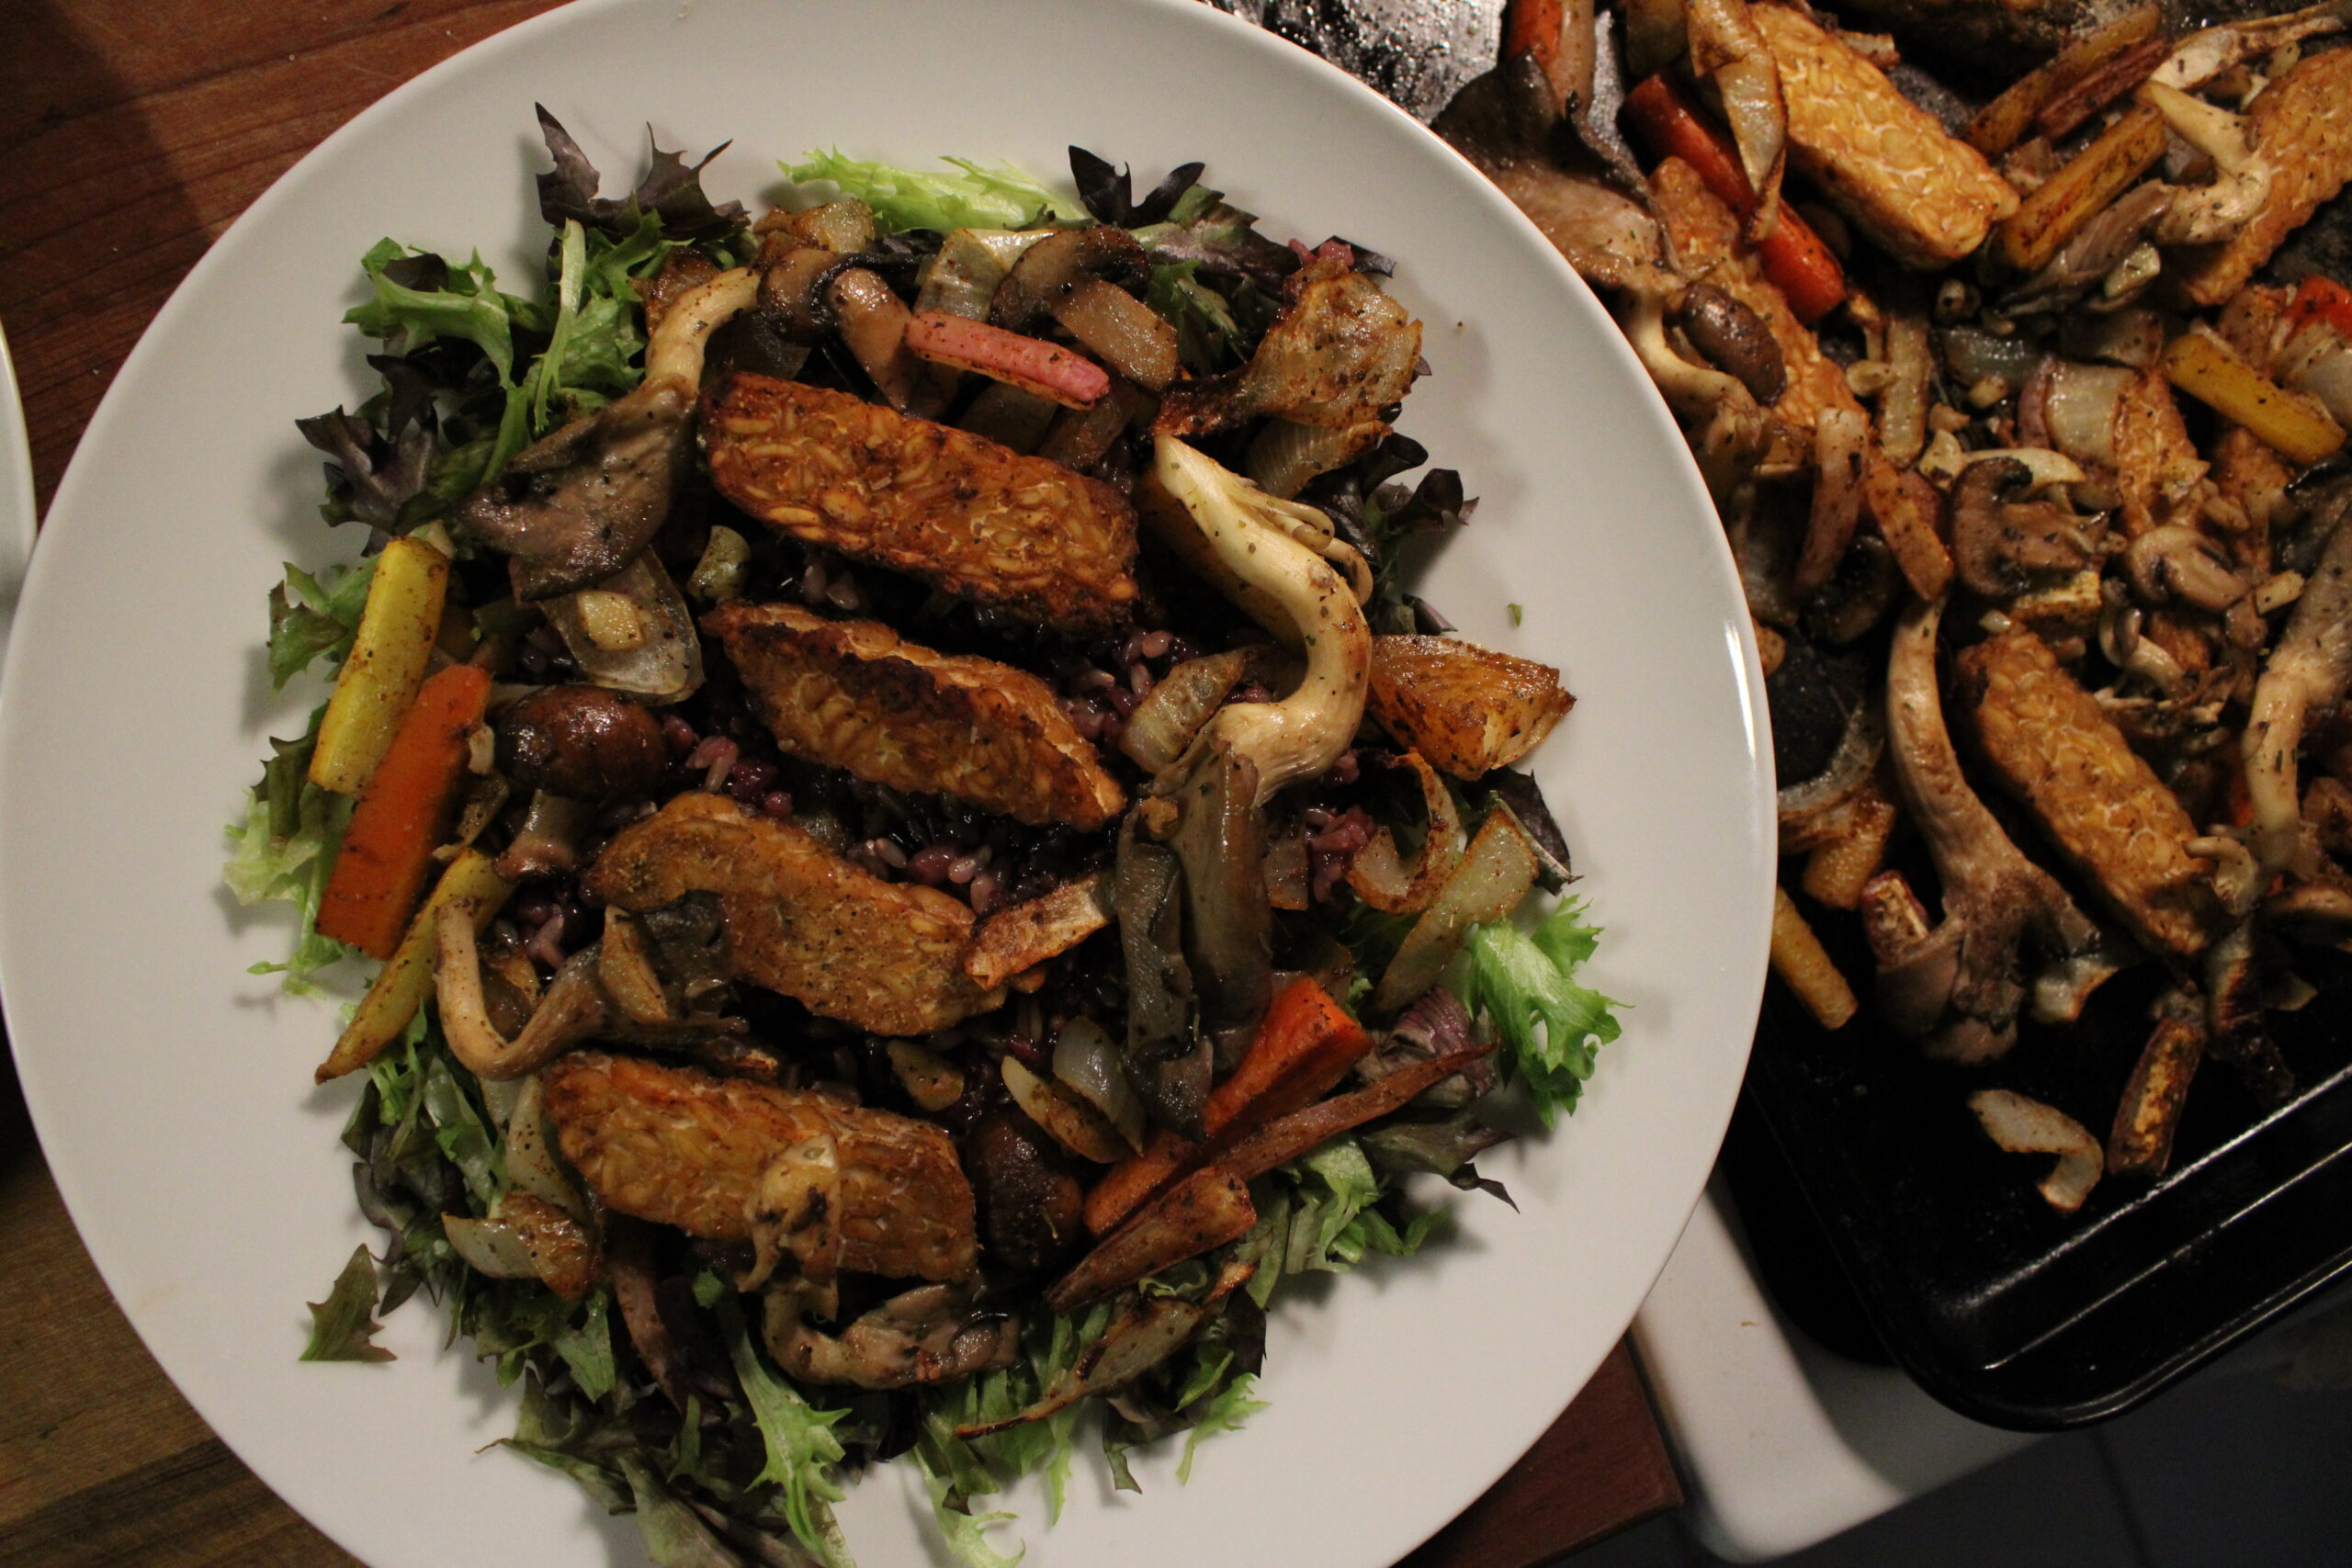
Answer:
[(1305, 1045), (1532, 27), (386, 855), (1282, 1141), (1794, 257)]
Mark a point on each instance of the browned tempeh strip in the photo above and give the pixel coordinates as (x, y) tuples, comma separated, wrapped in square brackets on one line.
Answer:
[(841, 1187), (800, 920), (970, 517), (2302, 127), (854, 695), (2052, 747)]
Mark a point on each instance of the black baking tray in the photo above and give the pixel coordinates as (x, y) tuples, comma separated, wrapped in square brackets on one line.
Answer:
[(2003, 1309)]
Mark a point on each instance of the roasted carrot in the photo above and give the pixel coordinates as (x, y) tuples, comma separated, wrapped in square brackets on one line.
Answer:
[(2324, 300), (1127, 1185), (1305, 1045), (1282, 1141), (1207, 1209), (387, 853), (1532, 27), (1794, 257)]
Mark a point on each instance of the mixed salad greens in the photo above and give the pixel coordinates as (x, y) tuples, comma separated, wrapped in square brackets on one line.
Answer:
[(647, 1374)]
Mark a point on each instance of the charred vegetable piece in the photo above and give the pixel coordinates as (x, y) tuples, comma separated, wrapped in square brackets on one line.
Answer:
[(2025, 1126), (387, 664), (1805, 966), (1167, 1061), (1494, 875), (964, 514), (1467, 708), (1379, 875), (1022, 936), (403, 983), (854, 695), (2059, 208), (1306, 1045), (2296, 424), (801, 920), (837, 1187), (1205, 1210), (404, 812), (1278, 1143)]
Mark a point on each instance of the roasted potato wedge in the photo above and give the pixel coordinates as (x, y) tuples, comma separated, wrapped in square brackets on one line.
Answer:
[(1467, 709)]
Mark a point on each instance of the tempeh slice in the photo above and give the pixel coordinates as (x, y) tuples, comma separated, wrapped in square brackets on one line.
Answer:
[(854, 695), (967, 515)]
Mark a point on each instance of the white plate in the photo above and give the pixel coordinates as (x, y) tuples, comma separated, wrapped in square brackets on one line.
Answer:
[(16, 493), (171, 1091)]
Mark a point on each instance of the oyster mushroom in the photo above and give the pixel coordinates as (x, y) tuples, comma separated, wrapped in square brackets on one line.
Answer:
[(1246, 542), (2175, 562), (931, 1334), (2207, 214), (1996, 895), (575, 1009), (2309, 669)]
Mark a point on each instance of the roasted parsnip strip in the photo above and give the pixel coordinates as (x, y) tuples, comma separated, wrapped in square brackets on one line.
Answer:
[(1800, 960)]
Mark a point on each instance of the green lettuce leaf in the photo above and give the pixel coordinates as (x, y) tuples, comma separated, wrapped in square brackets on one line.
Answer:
[(442, 301), (801, 1447), (966, 1532), (266, 867), (1225, 1412), (344, 1326), (1552, 1026), (310, 616), (978, 197)]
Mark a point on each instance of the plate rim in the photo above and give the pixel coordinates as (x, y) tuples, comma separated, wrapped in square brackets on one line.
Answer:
[(260, 213)]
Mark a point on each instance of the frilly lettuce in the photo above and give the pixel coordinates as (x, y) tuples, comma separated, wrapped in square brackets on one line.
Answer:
[(976, 197), (1526, 984)]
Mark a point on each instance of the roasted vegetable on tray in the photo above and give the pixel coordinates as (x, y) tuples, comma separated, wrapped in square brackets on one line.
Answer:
[(923, 860), (2013, 348)]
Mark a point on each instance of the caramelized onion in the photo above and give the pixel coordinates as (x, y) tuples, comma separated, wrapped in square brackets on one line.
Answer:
[(2079, 410)]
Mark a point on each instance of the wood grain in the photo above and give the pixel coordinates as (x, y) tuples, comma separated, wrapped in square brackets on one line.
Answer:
[(131, 133)]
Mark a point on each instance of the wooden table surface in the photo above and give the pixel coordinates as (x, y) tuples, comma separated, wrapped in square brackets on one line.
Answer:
[(132, 132)]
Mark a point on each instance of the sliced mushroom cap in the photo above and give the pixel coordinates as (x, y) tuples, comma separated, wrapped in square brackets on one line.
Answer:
[(2003, 542), (579, 505)]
